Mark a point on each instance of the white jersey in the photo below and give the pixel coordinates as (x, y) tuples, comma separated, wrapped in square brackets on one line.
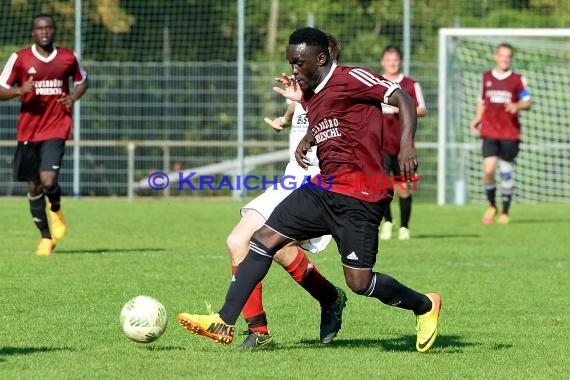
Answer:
[(299, 126), (268, 200)]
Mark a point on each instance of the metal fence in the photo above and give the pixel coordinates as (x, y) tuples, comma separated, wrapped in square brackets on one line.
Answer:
[(166, 91), (140, 118)]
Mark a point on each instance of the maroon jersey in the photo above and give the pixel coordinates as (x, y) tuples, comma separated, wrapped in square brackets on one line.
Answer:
[(496, 90), (345, 117), (391, 123), (41, 116)]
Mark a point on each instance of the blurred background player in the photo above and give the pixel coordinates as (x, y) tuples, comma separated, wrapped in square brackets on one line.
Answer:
[(292, 258), (502, 95), (391, 62), (41, 74)]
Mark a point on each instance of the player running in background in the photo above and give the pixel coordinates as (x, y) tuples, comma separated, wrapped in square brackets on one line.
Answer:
[(503, 94), (291, 258), (40, 76), (343, 107), (391, 62)]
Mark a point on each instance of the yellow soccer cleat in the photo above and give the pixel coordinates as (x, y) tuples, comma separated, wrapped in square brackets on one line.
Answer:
[(489, 216), (46, 247), (58, 226), (426, 324), (210, 326), (504, 218)]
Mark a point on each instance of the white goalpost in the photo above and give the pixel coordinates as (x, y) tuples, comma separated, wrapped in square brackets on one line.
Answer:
[(542, 56)]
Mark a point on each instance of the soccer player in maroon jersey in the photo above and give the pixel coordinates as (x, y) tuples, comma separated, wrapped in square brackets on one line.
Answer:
[(503, 94), (291, 257), (40, 76), (343, 105), (391, 62)]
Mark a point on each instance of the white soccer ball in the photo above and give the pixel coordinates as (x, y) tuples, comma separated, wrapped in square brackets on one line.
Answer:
[(144, 319)]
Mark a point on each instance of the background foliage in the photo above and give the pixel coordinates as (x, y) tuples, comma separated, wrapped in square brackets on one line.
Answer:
[(117, 30)]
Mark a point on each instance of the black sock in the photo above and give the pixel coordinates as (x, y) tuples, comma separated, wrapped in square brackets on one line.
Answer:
[(507, 197), (490, 190), (388, 213), (256, 321), (391, 292), (406, 210), (54, 196), (38, 211), (249, 272)]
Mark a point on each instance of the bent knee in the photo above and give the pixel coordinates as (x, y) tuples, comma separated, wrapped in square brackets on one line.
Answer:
[(270, 239), (286, 255), (358, 285), (48, 184), (48, 180), (489, 173), (238, 247), (281, 256)]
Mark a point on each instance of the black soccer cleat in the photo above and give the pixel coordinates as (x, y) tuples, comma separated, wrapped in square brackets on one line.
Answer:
[(331, 318), (255, 340)]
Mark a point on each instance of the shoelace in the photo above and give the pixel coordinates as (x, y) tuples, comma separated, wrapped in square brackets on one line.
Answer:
[(420, 323)]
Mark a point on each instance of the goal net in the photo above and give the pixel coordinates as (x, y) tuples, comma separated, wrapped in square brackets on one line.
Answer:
[(542, 171)]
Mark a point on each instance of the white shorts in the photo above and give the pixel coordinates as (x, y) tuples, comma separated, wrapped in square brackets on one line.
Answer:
[(266, 202), (317, 245)]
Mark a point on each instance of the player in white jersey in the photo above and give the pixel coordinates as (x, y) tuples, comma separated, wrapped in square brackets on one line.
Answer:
[(291, 257), (294, 175)]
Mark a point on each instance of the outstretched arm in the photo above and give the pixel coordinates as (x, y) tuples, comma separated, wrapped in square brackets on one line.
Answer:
[(292, 91), (280, 123)]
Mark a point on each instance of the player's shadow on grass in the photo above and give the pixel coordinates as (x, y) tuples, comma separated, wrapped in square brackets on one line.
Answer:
[(406, 343), (446, 236), (99, 251), (164, 348), (540, 221), (10, 351), (450, 344)]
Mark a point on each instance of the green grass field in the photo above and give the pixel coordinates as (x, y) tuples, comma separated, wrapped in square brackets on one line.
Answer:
[(504, 291)]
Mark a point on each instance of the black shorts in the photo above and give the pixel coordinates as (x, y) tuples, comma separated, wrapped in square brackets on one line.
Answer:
[(391, 164), (392, 167), (31, 158), (310, 212), (506, 150)]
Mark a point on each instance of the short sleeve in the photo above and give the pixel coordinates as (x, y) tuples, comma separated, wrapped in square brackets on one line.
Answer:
[(364, 84)]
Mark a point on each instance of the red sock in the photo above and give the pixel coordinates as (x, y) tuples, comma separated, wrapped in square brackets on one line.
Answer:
[(308, 276), (253, 309)]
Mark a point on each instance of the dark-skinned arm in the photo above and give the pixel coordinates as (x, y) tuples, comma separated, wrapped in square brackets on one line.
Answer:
[(408, 121), (26, 87), (306, 143), (67, 100)]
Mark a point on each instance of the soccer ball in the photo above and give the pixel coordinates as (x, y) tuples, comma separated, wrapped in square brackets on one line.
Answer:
[(144, 319)]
